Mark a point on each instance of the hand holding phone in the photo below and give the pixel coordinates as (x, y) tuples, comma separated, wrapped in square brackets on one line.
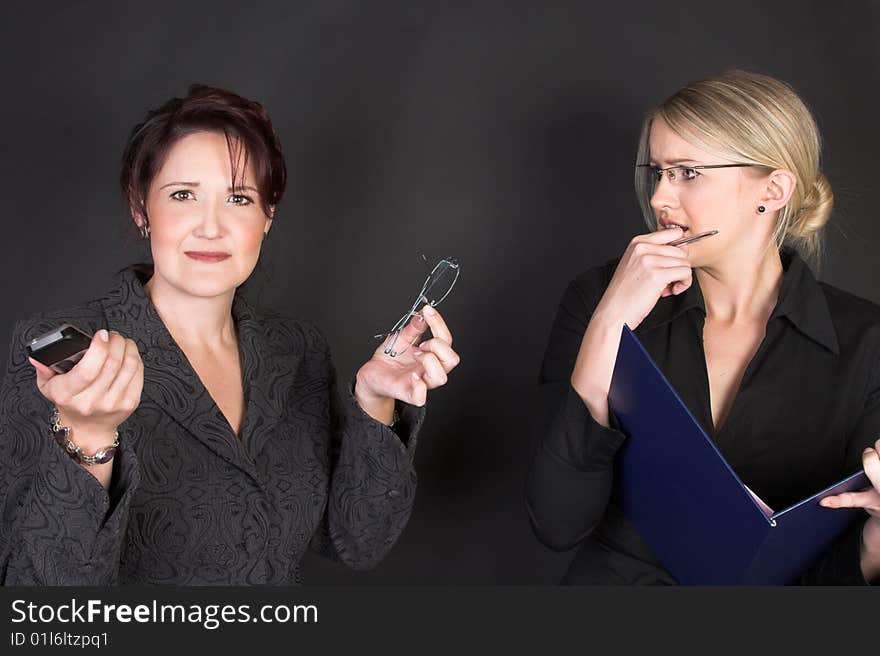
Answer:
[(95, 383)]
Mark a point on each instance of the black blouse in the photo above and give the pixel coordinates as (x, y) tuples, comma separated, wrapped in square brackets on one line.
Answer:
[(808, 405), (191, 503)]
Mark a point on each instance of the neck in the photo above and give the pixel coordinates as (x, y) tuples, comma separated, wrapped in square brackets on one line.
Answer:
[(193, 321), (736, 290)]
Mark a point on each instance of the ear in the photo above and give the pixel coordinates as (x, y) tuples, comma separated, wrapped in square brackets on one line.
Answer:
[(137, 215), (269, 220), (780, 185)]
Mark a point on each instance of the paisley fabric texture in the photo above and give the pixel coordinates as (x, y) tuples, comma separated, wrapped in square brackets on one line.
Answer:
[(190, 502)]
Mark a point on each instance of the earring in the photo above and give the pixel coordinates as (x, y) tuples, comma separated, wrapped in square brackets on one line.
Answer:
[(145, 231), (761, 209)]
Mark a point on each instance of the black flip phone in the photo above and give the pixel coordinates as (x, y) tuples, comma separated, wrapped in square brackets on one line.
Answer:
[(60, 349)]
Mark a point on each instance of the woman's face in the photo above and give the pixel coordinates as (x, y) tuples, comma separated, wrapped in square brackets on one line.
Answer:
[(723, 199), (205, 237)]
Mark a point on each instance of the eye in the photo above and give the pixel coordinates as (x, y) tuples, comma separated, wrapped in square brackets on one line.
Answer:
[(688, 173), (239, 199), (182, 194), (657, 172)]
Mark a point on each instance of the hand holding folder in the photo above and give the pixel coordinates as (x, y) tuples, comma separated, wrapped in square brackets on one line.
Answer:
[(868, 499), (701, 521)]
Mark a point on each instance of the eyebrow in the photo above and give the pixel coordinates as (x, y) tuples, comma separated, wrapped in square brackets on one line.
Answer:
[(677, 162), (185, 183)]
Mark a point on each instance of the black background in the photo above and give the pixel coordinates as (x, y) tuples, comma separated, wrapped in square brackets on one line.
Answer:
[(499, 132)]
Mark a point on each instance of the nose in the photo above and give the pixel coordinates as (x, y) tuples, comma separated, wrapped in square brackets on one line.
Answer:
[(664, 195), (210, 225)]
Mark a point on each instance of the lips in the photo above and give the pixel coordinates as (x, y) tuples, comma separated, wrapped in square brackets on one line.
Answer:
[(666, 224), (207, 256)]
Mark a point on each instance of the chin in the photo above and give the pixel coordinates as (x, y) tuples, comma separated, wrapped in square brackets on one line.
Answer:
[(204, 284), (208, 288), (702, 259)]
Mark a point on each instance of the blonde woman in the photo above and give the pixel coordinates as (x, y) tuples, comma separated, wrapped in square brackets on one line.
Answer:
[(781, 370)]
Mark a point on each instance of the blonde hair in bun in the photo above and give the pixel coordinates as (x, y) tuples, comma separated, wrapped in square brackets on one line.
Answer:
[(754, 119)]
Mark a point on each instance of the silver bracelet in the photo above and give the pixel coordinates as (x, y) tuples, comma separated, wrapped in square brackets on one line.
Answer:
[(62, 434)]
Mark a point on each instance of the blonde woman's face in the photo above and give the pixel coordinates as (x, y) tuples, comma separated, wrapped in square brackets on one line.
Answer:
[(205, 236), (697, 200)]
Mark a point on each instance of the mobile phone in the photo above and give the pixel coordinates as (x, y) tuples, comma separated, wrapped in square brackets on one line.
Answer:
[(60, 349)]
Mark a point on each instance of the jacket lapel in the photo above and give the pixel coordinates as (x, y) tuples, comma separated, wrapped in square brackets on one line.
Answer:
[(269, 356), (169, 379)]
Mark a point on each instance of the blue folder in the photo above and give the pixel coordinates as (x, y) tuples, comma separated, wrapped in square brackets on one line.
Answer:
[(690, 506)]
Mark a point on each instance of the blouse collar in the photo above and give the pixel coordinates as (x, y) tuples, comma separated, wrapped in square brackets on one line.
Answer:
[(801, 301)]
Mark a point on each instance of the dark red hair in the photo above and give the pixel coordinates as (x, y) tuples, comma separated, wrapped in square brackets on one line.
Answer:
[(247, 128)]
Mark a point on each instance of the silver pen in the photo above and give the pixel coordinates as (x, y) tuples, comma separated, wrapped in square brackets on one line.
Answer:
[(688, 240)]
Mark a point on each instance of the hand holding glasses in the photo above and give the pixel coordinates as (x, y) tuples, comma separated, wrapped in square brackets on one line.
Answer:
[(436, 287), (416, 354)]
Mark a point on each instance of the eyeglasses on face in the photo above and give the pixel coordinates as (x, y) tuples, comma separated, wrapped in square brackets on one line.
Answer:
[(652, 175)]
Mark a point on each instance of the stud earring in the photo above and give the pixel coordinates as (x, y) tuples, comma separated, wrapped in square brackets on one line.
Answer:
[(761, 209)]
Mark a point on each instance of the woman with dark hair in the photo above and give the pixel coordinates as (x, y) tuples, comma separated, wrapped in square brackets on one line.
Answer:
[(201, 441), (782, 371)]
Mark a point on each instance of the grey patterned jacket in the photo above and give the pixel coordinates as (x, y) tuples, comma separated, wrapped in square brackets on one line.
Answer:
[(190, 503)]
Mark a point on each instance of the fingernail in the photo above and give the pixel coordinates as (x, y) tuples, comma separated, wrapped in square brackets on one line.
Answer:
[(418, 353), (415, 376), (867, 451), (104, 335), (429, 311)]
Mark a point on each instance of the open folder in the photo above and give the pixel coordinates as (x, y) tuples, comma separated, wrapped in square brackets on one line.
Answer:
[(691, 508)]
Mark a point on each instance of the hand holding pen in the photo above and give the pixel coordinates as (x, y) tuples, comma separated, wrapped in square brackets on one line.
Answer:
[(653, 266)]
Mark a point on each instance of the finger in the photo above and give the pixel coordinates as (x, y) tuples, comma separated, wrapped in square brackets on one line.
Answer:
[(871, 465), (866, 499), (641, 250), (132, 398), (437, 324), (412, 332), (432, 371), (118, 392), (679, 286), (137, 385), (115, 350), (89, 367), (659, 236), (448, 358), (418, 392), (664, 260), (44, 373), (664, 278)]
